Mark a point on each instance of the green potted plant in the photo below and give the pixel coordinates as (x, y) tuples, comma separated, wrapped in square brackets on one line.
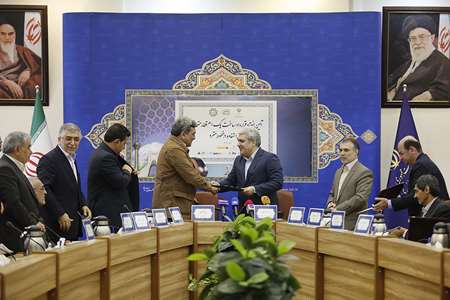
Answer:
[(246, 262)]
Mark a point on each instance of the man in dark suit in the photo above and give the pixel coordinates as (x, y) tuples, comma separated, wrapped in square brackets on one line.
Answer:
[(112, 182), (427, 191), (16, 191), (410, 152), (59, 173), (256, 171), (352, 184)]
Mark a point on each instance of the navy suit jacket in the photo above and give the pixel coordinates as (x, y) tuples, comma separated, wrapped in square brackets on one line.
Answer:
[(110, 188), (19, 199), (64, 193), (265, 174), (423, 165)]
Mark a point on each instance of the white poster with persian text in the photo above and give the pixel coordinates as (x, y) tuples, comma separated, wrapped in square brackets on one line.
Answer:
[(219, 122)]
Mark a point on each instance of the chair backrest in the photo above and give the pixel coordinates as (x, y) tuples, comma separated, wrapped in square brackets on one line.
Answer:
[(206, 198), (285, 202)]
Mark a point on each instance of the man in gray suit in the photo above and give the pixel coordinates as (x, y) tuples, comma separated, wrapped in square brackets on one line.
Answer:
[(352, 184)]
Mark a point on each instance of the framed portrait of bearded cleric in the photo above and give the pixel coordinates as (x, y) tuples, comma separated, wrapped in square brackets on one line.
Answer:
[(23, 54), (415, 56)]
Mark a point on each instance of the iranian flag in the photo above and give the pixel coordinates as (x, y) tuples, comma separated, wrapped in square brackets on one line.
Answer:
[(41, 142), (444, 34), (33, 32)]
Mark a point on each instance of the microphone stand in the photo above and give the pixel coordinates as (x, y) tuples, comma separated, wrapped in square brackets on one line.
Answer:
[(38, 219), (26, 236)]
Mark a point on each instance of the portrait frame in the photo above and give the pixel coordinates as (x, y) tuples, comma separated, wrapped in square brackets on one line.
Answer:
[(396, 58), (30, 24)]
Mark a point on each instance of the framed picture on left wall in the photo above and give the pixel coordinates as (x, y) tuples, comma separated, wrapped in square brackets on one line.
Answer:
[(23, 54)]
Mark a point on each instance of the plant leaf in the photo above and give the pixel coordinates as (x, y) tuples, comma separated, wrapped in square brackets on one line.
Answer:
[(285, 246), (229, 286), (249, 232), (258, 278), (235, 271), (197, 256), (239, 247)]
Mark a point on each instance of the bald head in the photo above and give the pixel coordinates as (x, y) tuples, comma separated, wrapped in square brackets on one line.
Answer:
[(39, 189), (406, 138), (409, 149)]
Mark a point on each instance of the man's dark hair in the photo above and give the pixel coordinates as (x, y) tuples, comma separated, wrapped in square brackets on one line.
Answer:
[(430, 181), (116, 131), (181, 125), (353, 141), (412, 143)]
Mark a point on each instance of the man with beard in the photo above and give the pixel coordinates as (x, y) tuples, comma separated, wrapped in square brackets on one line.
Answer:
[(20, 68), (426, 73)]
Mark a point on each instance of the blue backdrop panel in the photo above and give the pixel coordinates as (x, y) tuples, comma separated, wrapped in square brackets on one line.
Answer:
[(338, 54)]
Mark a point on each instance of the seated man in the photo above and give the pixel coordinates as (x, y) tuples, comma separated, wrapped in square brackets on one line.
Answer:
[(427, 194)]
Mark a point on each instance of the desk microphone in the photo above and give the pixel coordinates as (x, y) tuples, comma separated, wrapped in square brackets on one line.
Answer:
[(265, 200), (223, 207), (23, 234), (39, 219), (14, 227), (248, 207), (235, 206), (126, 208)]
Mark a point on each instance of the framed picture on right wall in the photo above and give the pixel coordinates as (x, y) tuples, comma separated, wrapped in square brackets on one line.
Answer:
[(415, 56)]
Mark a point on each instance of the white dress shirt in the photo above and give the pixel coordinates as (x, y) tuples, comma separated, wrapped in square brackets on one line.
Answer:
[(71, 160), (345, 170), (248, 162)]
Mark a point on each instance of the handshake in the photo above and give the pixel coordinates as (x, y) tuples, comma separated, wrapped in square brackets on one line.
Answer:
[(249, 190)]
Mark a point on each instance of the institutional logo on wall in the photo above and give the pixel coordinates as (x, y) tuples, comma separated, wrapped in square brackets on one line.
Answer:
[(220, 74)]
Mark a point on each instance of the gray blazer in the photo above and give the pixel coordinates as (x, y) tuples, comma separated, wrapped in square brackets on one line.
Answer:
[(354, 193)]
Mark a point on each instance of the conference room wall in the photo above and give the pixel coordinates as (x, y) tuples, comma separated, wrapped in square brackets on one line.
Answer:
[(14, 118), (429, 122)]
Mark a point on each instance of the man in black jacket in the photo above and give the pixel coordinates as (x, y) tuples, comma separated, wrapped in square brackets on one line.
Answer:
[(59, 173), (112, 182), (411, 153), (427, 195), (16, 192)]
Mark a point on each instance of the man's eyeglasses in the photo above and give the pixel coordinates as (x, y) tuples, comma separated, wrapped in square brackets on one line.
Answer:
[(421, 38)]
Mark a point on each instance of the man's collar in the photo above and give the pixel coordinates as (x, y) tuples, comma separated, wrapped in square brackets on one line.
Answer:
[(180, 142), (350, 165), (19, 164), (253, 154), (66, 154), (427, 207)]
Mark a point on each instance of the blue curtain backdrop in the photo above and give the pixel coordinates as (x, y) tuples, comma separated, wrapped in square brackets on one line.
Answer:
[(337, 53)]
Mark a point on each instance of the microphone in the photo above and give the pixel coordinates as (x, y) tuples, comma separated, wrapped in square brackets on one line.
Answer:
[(223, 208), (39, 219), (14, 227), (265, 200), (235, 206), (126, 208), (24, 234), (248, 207)]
